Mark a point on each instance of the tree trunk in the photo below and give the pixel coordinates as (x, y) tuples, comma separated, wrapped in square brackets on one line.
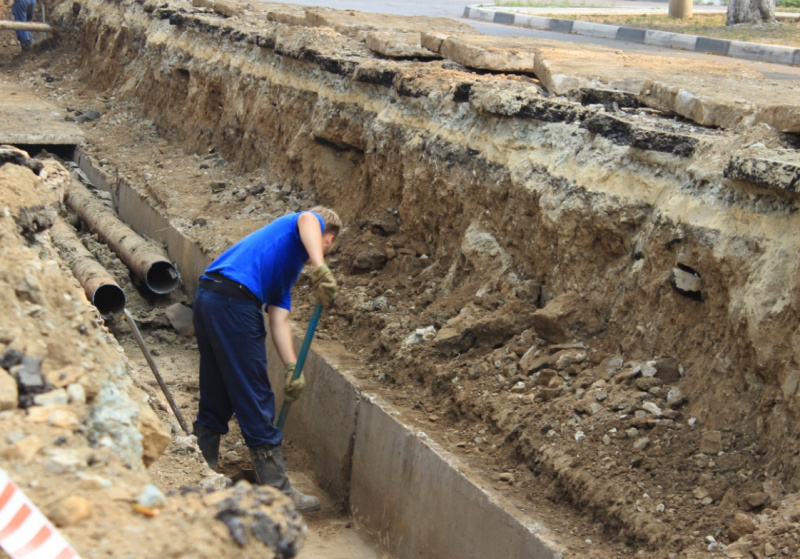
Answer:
[(751, 11)]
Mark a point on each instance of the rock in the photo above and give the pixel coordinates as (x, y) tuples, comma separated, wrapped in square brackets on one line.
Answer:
[(789, 386), (645, 384), (398, 45), (92, 481), (649, 370), (729, 501), (632, 432), (155, 438), (755, 500), (668, 370), (76, 393), (58, 416), (568, 358), (180, 317), (675, 397), (739, 550), (63, 418), (687, 282), (566, 317), (530, 362), (544, 377), (507, 477), (213, 481), (62, 461), (652, 408), (711, 443), (30, 379), (641, 444), (420, 335), (66, 376), (470, 53), (53, 398), (450, 341), (378, 304), (70, 511), (774, 488), (741, 525), (369, 260), (9, 394), (152, 497), (23, 449)]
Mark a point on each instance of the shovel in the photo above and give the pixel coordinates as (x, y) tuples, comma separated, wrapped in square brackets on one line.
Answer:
[(301, 360), (249, 474)]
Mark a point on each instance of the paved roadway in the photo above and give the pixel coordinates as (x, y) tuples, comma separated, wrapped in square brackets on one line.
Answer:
[(454, 9)]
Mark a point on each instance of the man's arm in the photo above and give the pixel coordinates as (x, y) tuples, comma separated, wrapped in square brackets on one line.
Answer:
[(311, 235), (281, 332)]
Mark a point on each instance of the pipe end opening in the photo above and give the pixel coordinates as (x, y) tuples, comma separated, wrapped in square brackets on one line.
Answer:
[(162, 277), (109, 299)]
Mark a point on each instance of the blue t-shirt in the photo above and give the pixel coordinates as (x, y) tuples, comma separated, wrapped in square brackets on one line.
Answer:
[(267, 261)]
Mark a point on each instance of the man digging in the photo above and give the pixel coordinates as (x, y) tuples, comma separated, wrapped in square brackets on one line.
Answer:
[(259, 270)]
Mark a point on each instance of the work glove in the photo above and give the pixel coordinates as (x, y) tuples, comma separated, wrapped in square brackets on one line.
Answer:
[(324, 285), (292, 388)]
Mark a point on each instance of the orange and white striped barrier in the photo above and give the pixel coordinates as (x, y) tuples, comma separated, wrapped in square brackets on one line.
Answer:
[(24, 531)]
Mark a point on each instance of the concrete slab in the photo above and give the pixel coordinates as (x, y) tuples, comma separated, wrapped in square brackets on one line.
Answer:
[(398, 45), (28, 120), (416, 497)]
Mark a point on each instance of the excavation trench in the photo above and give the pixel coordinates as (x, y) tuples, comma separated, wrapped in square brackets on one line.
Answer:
[(569, 297), (359, 450)]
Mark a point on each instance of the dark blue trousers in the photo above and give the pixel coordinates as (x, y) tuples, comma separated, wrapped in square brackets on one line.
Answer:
[(23, 11), (233, 367)]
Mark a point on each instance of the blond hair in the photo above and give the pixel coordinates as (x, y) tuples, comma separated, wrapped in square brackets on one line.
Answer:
[(333, 223)]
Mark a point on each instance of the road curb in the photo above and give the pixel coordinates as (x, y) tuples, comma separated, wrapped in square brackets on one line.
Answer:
[(758, 52)]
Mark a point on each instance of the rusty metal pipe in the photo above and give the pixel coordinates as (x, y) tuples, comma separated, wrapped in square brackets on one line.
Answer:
[(149, 263), (100, 288)]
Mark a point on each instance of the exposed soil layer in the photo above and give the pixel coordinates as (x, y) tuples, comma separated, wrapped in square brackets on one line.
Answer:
[(594, 303)]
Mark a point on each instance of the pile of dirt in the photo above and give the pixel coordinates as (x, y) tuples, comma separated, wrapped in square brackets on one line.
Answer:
[(598, 332)]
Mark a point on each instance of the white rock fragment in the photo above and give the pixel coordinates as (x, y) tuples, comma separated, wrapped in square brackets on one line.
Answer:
[(652, 408), (53, 398), (152, 497), (420, 335), (76, 393)]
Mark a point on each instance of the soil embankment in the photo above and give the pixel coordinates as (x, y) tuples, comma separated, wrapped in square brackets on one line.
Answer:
[(574, 268)]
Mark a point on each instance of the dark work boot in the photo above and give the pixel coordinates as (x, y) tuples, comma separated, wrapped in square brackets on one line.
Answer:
[(208, 441), (271, 470)]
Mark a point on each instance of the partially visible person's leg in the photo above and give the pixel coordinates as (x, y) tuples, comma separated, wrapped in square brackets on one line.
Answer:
[(23, 11), (215, 409)]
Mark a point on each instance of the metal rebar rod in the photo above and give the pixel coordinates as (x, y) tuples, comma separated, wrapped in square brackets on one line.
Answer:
[(153, 366)]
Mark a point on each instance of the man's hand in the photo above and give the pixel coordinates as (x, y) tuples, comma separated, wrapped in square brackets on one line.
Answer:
[(292, 388), (324, 285)]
